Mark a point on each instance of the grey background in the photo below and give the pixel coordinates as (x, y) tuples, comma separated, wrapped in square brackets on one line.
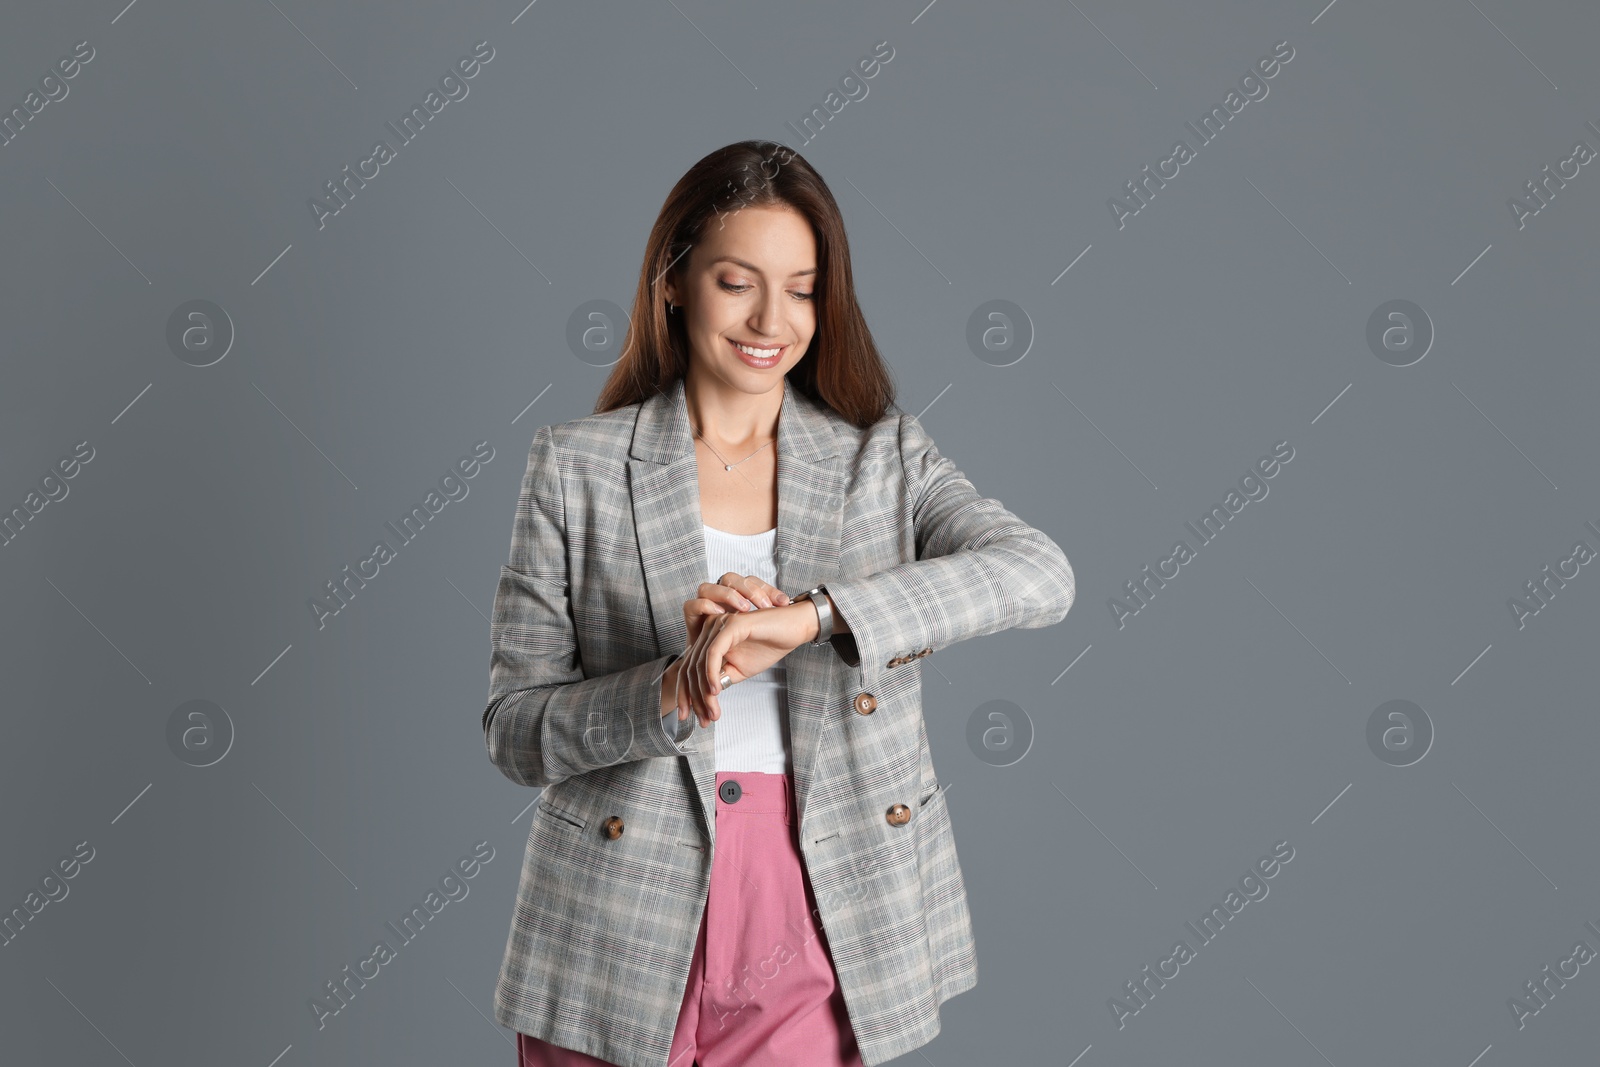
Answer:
[(1228, 315)]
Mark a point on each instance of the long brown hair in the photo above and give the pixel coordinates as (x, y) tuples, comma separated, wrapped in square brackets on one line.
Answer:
[(842, 368)]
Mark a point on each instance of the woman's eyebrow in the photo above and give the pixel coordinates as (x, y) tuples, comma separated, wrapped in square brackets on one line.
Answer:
[(756, 269)]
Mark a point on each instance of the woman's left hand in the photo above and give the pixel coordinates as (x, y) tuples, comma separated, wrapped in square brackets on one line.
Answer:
[(741, 645)]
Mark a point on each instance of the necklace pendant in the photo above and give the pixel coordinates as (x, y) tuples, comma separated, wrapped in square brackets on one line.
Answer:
[(727, 466)]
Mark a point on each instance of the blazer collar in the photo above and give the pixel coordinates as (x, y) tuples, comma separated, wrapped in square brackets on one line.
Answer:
[(662, 432), (664, 484)]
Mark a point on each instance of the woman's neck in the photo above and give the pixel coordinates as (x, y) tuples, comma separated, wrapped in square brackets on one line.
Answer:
[(729, 417)]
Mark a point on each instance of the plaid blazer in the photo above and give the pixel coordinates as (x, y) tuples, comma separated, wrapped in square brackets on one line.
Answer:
[(588, 614)]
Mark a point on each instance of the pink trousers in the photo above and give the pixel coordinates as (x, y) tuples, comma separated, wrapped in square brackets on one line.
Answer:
[(762, 990)]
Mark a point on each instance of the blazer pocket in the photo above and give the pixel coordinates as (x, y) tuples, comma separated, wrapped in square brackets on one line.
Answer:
[(555, 811)]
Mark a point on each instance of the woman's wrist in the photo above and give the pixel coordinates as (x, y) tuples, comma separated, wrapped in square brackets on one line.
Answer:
[(812, 618)]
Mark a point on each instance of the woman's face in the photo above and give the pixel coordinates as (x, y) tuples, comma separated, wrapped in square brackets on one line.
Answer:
[(751, 281)]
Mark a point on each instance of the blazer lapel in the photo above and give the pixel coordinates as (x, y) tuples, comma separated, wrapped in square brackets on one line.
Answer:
[(664, 485)]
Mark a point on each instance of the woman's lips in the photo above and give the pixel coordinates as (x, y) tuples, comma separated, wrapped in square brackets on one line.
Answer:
[(752, 361)]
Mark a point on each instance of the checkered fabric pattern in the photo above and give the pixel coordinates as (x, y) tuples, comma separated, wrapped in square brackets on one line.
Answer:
[(606, 547)]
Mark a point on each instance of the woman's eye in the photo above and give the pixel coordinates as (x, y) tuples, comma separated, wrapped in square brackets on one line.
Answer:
[(738, 289)]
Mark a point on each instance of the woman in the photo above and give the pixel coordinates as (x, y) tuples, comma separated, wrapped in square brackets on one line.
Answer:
[(707, 650)]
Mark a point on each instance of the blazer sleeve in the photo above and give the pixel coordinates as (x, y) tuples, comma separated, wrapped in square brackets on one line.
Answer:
[(979, 569), (545, 720)]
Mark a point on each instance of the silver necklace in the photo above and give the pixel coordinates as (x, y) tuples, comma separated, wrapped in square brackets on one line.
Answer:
[(725, 464)]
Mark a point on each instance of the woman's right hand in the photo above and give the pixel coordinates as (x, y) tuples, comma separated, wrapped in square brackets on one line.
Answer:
[(732, 592)]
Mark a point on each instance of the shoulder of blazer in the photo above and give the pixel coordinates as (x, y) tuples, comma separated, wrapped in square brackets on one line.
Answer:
[(592, 438), (606, 425)]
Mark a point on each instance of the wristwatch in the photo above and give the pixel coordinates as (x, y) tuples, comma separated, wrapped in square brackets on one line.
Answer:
[(817, 595)]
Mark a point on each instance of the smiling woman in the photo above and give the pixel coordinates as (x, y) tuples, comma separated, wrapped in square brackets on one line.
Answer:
[(760, 316), (781, 277), (771, 878)]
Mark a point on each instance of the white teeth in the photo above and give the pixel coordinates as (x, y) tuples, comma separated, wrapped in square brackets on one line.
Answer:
[(758, 353)]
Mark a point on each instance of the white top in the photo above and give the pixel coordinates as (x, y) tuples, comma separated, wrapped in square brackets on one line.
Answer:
[(753, 732)]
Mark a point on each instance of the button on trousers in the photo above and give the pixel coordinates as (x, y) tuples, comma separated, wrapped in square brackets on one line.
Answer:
[(762, 991)]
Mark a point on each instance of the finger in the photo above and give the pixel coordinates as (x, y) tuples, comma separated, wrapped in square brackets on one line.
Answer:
[(776, 595), (695, 613), (705, 685), (715, 671), (677, 692), (752, 587), (693, 677), (686, 680), (686, 687), (686, 703), (726, 594), (681, 694), (716, 592), (715, 649)]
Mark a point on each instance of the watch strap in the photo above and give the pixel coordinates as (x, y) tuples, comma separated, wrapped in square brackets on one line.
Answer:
[(817, 596)]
